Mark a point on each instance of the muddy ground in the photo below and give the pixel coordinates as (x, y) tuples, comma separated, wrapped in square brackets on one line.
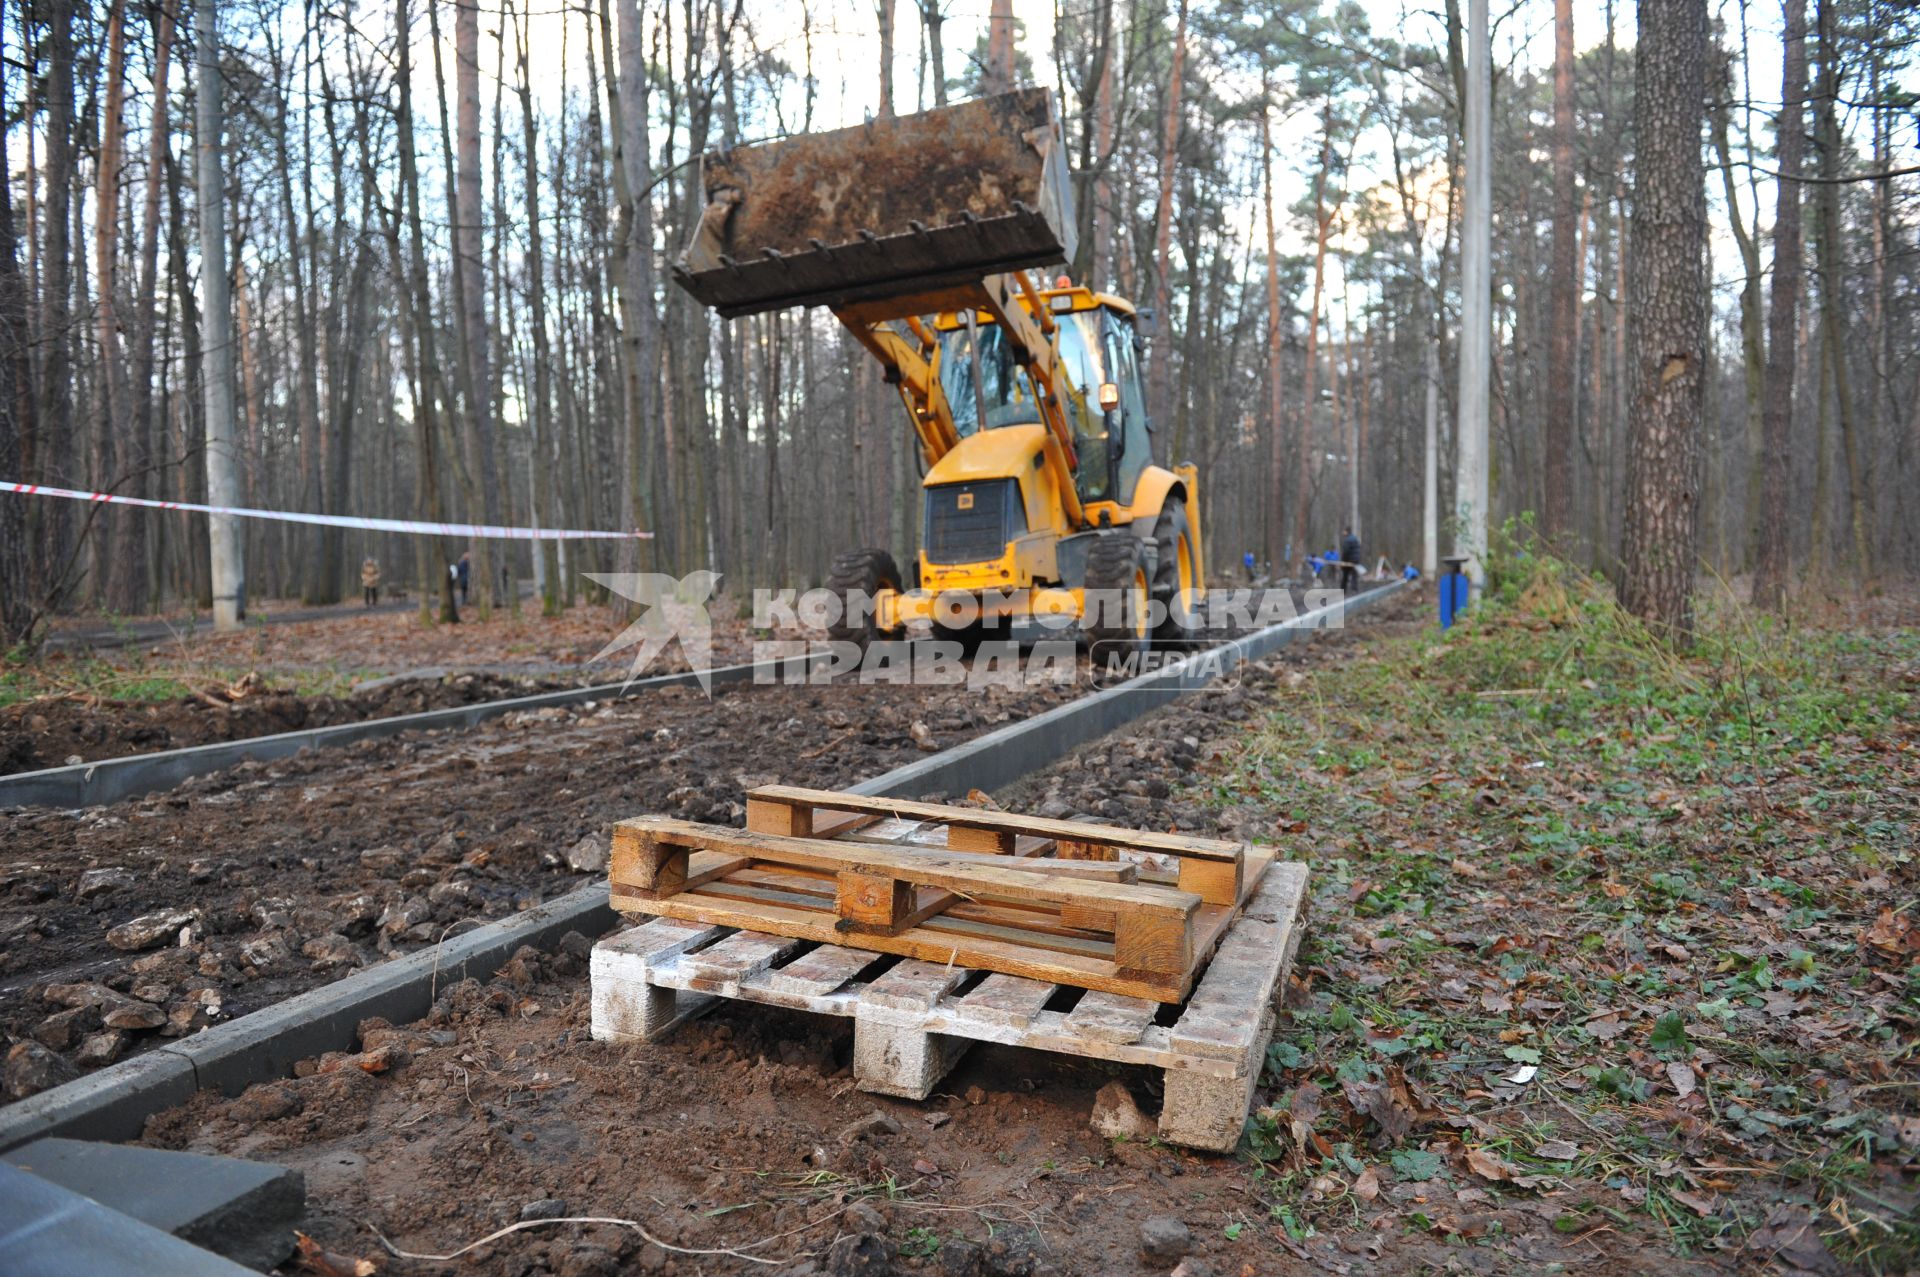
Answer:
[(744, 1132), (155, 916), (55, 731)]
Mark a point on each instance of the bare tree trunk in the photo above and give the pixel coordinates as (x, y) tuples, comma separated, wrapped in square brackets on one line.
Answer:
[(117, 537), (1277, 557), (52, 454), (1833, 289), (1472, 488), (145, 318), (223, 487), (1667, 305), (931, 17), (1557, 442), (426, 446), (18, 613), (1783, 319), (634, 238), (1303, 452), (1103, 113), (884, 9), (1160, 355), (1752, 318), (997, 75), (541, 441), (472, 285)]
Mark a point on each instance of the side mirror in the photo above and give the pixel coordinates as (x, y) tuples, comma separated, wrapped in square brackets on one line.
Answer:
[(1109, 396)]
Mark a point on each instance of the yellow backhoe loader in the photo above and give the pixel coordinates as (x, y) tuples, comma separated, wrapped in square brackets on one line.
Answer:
[(1041, 497)]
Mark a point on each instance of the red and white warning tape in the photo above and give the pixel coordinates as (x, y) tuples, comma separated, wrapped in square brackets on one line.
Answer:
[(458, 530)]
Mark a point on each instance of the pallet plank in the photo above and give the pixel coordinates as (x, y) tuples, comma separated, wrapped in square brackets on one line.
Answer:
[(1007, 1000), (740, 955), (1106, 1017), (818, 972), (967, 875), (985, 952), (912, 986), (1082, 833), (1223, 1017)]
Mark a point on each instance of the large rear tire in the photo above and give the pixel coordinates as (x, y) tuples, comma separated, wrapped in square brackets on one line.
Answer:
[(857, 578), (1176, 576), (1117, 619)]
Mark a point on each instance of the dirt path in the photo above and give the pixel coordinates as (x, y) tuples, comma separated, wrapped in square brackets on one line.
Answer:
[(57, 731)]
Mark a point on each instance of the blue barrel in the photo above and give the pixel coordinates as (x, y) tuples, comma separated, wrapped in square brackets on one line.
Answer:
[(1455, 589)]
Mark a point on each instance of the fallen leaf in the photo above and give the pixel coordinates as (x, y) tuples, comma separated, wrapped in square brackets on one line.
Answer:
[(1366, 1186), (1682, 1077), (1487, 1165), (1556, 1151), (1701, 1204)]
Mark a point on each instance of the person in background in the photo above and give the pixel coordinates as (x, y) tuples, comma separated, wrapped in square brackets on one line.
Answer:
[(463, 576), (1247, 559), (1412, 573), (370, 581), (1349, 560)]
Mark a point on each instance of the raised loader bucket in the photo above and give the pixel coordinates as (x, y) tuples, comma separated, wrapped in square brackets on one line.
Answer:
[(887, 208)]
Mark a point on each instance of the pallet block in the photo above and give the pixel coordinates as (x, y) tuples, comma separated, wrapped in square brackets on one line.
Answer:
[(914, 1019)]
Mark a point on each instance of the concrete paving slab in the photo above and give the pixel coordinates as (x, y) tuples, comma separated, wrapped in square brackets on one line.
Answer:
[(245, 1211), (50, 1231)]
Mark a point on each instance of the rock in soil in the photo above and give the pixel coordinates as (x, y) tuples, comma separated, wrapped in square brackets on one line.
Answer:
[(1164, 1239), (101, 1048), (589, 855), (31, 1068), (96, 882), (860, 1255), (132, 1015), (545, 1208), (149, 930), (873, 1124), (1116, 1116)]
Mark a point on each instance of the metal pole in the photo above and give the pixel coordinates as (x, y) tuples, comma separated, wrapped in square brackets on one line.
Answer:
[(1471, 489), (216, 302)]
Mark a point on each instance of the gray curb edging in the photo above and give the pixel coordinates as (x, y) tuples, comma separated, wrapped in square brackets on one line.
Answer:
[(108, 780), (114, 1103)]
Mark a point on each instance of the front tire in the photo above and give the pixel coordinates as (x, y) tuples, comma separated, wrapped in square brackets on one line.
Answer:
[(856, 580), (1176, 575), (1116, 575)]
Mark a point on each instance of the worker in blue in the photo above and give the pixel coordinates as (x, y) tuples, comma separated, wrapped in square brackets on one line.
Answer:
[(1412, 573), (1247, 559)]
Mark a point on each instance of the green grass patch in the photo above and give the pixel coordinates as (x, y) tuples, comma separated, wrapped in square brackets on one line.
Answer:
[(1672, 883)]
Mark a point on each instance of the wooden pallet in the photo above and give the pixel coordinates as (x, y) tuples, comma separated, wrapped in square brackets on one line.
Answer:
[(914, 1019), (1063, 902)]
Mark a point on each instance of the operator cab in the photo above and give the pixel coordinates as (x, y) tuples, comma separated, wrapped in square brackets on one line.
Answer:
[(986, 387)]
